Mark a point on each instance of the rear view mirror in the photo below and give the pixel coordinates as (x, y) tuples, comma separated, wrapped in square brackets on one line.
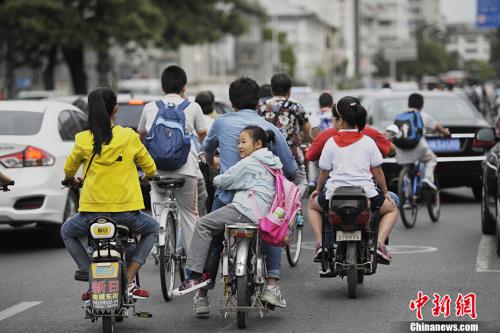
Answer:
[(486, 134)]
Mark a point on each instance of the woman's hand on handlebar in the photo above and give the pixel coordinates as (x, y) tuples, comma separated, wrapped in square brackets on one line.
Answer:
[(74, 182), (145, 179)]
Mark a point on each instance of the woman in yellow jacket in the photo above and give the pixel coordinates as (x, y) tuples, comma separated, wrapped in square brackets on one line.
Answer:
[(111, 187)]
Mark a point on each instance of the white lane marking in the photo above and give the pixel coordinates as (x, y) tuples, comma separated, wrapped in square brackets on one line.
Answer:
[(407, 249), (400, 249), (484, 253), (18, 308)]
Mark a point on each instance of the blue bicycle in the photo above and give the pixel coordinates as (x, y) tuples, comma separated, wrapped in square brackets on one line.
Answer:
[(412, 194)]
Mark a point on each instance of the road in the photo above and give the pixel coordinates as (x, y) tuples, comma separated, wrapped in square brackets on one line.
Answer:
[(448, 257)]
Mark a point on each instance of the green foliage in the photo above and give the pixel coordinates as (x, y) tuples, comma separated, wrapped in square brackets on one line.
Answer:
[(194, 21), (480, 70), (495, 50)]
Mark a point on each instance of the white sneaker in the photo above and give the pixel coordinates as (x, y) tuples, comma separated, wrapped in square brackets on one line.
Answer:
[(429, 184), (201, 306), (272, 295)]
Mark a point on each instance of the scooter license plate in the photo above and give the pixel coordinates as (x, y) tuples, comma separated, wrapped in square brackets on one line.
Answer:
[(345, 236)]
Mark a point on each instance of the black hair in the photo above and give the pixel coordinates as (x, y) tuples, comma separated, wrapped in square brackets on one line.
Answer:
[(265, 91), (431, 86), (325, 100), (173, 79), (350, 110), (281, 84), (102, 102), (386, 85), (416, 101), (206, 99), (244, 93), (258, 133)]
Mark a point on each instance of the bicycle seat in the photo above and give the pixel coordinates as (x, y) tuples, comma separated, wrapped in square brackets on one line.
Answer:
[(169, 183)]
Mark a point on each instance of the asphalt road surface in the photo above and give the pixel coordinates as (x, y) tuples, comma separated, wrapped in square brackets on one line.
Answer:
[(38, 293)]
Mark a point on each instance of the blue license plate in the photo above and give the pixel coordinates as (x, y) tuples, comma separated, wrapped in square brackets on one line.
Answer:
[(444, 145)]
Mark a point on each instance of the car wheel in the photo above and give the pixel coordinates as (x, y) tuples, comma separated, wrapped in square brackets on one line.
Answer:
[(487, 221), (498, 241), (477, 190), (70, 209)]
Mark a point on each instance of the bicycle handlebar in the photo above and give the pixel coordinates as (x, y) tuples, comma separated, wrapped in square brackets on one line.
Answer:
[(5, 187)]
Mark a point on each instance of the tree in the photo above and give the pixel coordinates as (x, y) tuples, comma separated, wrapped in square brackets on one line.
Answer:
[(194, 21), (29, 32)]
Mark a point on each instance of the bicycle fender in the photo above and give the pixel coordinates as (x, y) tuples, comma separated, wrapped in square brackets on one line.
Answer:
[(163, 226), (241, 257)]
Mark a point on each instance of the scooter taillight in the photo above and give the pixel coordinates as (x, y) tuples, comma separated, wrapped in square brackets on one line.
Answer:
[(364, 218), (334, 218)]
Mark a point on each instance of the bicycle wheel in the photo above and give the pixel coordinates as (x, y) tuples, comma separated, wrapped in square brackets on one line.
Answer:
[(408, 208), (167, 259), (434, 202), (294, 246)]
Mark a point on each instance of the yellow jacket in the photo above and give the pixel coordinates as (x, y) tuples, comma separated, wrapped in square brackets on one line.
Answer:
[(112, 183)]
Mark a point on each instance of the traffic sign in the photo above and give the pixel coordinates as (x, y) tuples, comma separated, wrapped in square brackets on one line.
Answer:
[(488, 14)]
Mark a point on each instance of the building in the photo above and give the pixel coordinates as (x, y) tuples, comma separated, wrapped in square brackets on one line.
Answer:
[(311, 33), (470, 43), (426, 13)]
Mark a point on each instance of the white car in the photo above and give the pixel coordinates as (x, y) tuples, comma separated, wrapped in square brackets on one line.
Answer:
[(35, 139)]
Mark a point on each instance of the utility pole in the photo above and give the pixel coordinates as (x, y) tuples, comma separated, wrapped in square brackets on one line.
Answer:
[(356, 38)]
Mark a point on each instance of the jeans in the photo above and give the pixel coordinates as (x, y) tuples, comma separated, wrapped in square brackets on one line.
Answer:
[(138, 222), (273, 254)]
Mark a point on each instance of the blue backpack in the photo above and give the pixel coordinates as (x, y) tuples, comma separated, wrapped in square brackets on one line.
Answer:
[(169, 142), (411, 127)]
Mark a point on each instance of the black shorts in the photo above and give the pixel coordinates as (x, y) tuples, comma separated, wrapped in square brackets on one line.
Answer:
[(375, 202)]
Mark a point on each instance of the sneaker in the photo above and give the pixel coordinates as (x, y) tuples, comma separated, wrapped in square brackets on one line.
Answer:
[(136, 292), (318, 252), (81, 275), (328, 273), (407, 205), (383, 252), (86, 296), (272, 295), (429, 184), (190, 285), (201, 305)]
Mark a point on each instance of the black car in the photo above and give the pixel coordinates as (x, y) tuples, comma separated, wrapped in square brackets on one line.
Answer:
[(459, 157), (490, 188)]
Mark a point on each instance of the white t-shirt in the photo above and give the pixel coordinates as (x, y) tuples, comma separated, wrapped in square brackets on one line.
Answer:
[(350, 165), (208, 121), (195, 123)]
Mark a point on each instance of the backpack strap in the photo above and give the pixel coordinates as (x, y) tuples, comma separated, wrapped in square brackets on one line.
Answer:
[(185, 103)]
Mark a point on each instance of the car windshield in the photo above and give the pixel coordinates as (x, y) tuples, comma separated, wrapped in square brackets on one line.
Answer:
[(129, 115), (20, 122), (442, 109)]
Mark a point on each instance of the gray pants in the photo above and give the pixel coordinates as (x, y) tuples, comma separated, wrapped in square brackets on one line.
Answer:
[(213, 225), (210, 225)]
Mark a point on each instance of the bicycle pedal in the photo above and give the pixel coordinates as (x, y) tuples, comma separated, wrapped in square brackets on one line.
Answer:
[(143, 314)]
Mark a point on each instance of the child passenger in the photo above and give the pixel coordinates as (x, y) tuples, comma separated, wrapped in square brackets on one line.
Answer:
[(247, 177), (350, 158)]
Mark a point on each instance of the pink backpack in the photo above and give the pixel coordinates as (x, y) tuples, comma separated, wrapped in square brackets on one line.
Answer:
[(276, 227)]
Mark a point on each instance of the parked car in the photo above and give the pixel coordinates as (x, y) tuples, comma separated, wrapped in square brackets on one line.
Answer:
[(490, 189), (35, 139), (459, 157)]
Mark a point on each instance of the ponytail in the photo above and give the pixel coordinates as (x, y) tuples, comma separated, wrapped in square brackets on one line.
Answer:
[(257, 133), (102, 101), (350, 110)]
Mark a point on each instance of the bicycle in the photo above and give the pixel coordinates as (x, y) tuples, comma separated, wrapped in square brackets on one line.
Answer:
[(169, 254), (412, 194), (294, 246)]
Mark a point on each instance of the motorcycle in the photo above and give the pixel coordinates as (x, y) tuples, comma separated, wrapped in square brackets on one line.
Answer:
[(350, 237), (5, 187), (109, 244), (243, 272)]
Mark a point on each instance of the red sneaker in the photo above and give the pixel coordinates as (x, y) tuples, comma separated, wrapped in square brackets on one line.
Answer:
[(86, 296), (137, 292)]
